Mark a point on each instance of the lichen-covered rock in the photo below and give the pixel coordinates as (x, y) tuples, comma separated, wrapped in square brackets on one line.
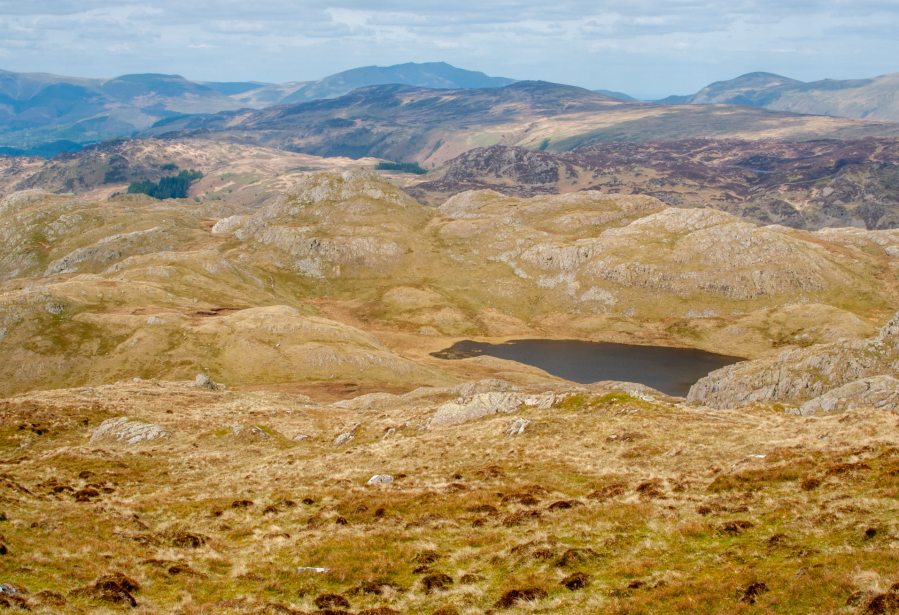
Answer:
[(127, 430), (877, 392)]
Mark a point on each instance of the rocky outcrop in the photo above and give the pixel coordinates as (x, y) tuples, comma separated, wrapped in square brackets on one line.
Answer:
[(877, 392), (127, 430), (805, 374), (486, 404)]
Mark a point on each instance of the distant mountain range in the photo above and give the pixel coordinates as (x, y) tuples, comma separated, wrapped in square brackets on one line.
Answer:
[(876, 98), (42, 114), (37, 109)]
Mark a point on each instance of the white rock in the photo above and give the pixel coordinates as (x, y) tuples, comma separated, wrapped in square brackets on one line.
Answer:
[(379, 479), (347, 436), (517, 428), (203, 381), (128, 430)]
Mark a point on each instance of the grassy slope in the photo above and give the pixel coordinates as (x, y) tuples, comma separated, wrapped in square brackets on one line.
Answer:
[(674, 510)]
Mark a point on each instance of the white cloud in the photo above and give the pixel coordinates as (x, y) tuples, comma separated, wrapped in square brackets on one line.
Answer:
[(644, 47)]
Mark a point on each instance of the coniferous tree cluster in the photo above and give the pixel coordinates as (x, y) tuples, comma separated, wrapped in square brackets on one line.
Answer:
[(175, 187)]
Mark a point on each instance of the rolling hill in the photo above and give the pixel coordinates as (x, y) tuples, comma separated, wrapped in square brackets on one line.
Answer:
[(876, 98), (406, 123), (97, 291)]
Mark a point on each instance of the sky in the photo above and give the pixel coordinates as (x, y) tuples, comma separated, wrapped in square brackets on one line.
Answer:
[(646, 48)]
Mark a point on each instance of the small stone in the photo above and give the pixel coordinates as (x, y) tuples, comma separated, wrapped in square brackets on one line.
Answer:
[(347, 436), (379, 479)]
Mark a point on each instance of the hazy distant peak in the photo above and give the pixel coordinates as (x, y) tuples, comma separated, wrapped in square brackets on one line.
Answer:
[(614, 94), (761, 78), (432, 75), (874, 98)]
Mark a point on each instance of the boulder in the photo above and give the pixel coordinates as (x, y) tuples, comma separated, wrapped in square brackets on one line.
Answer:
[(203, 381)]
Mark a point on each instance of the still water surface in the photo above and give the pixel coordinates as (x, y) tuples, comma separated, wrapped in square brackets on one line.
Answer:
[(670, 370)]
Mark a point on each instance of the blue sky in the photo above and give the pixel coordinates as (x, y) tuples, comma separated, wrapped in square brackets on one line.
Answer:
[(647, 48)]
